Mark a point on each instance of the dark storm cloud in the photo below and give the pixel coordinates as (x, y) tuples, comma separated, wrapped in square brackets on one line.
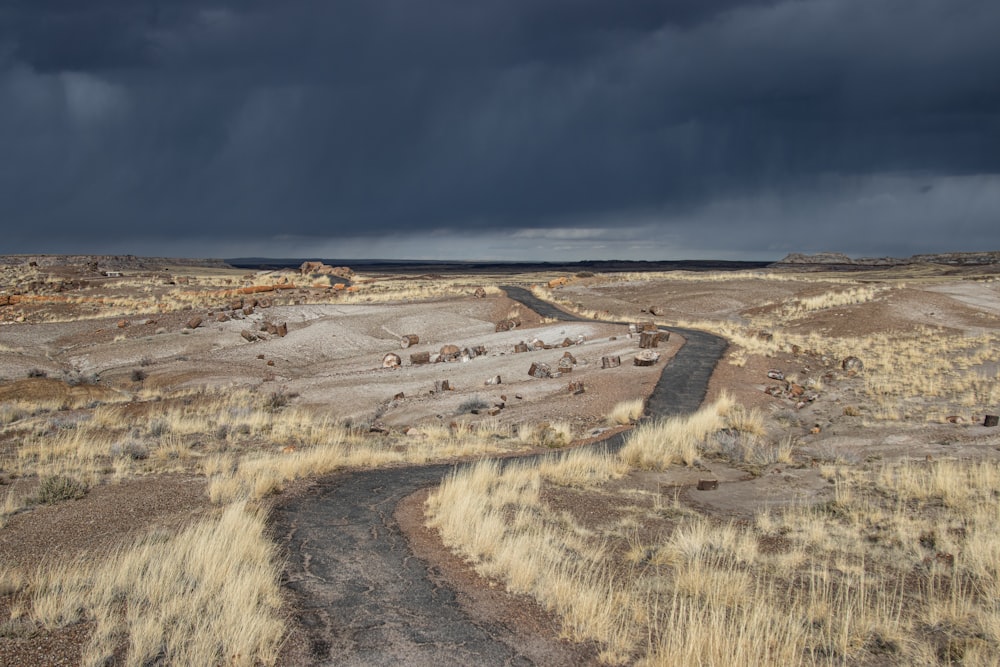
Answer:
[(737, 124)]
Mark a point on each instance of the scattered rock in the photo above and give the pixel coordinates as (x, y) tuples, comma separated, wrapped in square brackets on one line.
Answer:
[(540, 370), (507, 325), (708, 484), (409, 340), (611, 362), (398, 397), (775, 374), (449, 353), (123, 323), (576, 388), (391, 360), (280, 329), (648, 339), (646, 358), (521, 347), (248, 335), (194, 323), (480, 293), (442, 385), (419, 358), (493, 380), (852, 365)]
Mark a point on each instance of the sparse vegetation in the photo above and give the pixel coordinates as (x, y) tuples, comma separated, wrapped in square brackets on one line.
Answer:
[(899, 566), (626, 412), (891, 562), (208, 595), (55, 488)]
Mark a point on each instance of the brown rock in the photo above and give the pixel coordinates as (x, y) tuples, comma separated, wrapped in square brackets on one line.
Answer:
[(852, 365), (248, 335), (708, 484), (194, 323), (391, 360), (449, 353), (540, 370), (611, 362), (991, 420), (646, 358), (123, 323), (418, 358), (648, 339), (576, 388), (480, 293), (409, 340), (521, 347), (442, 385)]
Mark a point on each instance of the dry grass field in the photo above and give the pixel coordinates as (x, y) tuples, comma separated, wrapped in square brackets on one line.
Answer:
[(150, 412)]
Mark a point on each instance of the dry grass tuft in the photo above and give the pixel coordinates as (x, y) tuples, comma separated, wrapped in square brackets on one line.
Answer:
[(627, 412), (206, 596)]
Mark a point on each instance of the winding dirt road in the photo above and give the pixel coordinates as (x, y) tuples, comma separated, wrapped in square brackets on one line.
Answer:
[(369, 600)]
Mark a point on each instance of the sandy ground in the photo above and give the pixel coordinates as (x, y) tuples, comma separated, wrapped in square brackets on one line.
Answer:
[(331, 360)]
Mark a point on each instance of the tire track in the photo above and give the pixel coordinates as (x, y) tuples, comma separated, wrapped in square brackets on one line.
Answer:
[(370, 602)]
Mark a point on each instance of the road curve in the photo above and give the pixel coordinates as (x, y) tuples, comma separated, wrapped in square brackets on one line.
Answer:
[(370, 601)]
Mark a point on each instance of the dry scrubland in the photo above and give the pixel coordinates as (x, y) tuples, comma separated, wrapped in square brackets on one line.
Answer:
[(852, 523), (895, 561), (105, 383)]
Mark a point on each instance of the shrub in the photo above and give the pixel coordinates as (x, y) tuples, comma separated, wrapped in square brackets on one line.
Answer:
[(54, 488), (474, 403), (159, 427), (138, 375), (37, 373), (278, 399)]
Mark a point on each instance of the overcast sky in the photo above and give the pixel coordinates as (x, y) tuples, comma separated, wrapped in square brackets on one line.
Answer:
[(499, 129)]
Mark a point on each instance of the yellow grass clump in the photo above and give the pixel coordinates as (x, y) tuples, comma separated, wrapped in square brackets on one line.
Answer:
[(900, 567), (626, 412), (208, 595)]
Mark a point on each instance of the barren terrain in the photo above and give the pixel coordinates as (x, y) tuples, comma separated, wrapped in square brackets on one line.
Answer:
[(161, 421)]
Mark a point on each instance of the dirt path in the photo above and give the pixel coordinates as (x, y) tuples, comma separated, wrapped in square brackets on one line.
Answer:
[(366, 600)]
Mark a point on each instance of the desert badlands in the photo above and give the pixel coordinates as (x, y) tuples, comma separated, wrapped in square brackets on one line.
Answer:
[(204, 464)]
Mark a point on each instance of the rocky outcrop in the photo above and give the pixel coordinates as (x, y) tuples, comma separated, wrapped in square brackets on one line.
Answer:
[(321, 269)]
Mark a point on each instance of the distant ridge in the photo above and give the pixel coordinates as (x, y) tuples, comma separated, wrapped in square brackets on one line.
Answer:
[(836, 259), (457, 266)]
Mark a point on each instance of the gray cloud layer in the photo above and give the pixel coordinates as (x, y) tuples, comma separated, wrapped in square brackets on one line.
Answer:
[(521, 128)]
